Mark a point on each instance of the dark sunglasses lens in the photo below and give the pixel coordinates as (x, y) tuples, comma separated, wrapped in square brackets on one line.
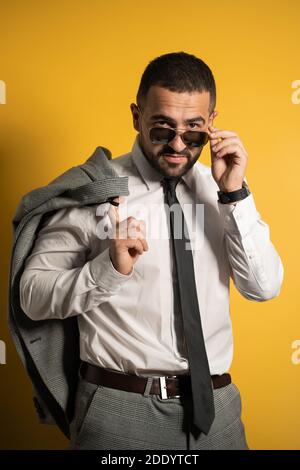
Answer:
[(161, 135), (195, 138)]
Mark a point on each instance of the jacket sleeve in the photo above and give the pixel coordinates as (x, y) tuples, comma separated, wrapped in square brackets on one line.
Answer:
[(58, 281), (256, 268)]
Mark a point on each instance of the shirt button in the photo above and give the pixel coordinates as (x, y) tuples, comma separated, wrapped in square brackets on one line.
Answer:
[(227, 218)]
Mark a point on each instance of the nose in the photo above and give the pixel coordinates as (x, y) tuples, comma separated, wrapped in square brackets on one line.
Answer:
[(177, 144)]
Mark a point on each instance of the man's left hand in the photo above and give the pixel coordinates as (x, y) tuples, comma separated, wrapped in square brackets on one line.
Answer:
[(228, 159)]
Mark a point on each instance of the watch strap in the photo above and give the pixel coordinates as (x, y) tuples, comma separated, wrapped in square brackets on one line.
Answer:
[(234, 196)]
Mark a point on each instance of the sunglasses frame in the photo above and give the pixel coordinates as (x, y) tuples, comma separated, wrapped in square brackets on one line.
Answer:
[(175, 131)]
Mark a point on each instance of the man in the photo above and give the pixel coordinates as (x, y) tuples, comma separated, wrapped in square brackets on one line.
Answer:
[(153, 310)]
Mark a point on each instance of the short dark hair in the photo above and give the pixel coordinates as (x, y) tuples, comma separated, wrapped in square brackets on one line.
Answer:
[(180, 72)]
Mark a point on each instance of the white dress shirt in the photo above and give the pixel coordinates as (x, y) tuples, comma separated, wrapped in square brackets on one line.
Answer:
[(132, 323)]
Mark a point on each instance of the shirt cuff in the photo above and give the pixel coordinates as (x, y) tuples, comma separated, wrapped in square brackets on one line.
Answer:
[(105, 275), (241, 217)]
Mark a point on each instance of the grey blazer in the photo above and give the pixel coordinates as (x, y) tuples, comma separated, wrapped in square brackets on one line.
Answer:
[(49, 349)]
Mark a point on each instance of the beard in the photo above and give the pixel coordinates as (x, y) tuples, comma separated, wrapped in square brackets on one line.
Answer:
[(172, 168)]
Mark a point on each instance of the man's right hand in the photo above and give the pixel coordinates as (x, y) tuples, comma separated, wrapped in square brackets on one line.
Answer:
[(129, 242)]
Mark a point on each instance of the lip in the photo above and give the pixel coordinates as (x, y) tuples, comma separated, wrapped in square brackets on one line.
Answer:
[(174, 158)]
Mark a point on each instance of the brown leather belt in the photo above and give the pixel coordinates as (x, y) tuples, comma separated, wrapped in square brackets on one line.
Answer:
[(166, 387)]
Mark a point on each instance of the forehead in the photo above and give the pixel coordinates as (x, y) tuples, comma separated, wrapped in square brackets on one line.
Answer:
[(182, 105)]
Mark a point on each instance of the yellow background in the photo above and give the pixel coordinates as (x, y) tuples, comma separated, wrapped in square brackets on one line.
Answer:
[(72, 69)]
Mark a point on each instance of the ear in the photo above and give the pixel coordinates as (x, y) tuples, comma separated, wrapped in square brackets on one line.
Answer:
[(135, 116)]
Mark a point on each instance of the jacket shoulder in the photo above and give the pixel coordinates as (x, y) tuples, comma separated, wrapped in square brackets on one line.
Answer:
[(97, 167), (123, 164)]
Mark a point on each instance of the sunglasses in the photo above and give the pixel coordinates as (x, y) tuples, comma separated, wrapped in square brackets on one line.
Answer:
[(164, 135)]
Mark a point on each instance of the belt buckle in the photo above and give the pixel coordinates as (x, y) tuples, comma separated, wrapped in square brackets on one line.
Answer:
[(163, 388)]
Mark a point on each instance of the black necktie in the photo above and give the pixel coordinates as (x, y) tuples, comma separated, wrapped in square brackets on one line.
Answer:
[(201, 384)]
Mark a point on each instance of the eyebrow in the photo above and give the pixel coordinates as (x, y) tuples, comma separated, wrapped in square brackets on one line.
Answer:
[(155, 117)]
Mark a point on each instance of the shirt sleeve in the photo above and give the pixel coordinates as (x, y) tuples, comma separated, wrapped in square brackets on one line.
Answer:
[(256, 268), (58, 281)]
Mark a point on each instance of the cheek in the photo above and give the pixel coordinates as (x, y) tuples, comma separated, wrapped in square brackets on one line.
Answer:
[(153, 151), (196, 154)]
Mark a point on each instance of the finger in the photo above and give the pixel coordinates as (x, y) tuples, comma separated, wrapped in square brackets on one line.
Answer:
[(214, 142), (136, 244), (230, 150), (233, 141), (144, 243), (140, 243), (141, 227), (122, 229), (219, 145), (223, 134), (132, 228), (137, 228), (211, 133), (211, 130)]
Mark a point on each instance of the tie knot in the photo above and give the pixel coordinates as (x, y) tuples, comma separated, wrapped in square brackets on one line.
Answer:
[(170, 184)]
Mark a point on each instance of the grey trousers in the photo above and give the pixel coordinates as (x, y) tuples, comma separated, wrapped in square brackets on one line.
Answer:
[(107, 419)]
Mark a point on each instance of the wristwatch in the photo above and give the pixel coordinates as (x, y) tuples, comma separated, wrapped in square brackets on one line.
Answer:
[(234, 196)]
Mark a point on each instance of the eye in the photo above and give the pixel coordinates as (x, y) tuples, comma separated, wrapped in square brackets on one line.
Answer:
[(193, 125), (162, 123)]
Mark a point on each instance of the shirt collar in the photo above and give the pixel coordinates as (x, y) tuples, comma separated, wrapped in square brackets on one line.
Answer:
[(151, 177)]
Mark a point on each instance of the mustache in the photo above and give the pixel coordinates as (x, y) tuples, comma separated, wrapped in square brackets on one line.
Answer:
[(170, 151)]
